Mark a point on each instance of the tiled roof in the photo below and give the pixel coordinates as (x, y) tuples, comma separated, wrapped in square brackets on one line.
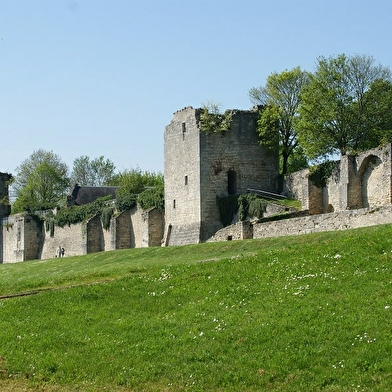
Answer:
[(87, 194)]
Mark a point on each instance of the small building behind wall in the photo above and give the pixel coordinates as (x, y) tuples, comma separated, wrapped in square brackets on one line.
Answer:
[(202, 166)]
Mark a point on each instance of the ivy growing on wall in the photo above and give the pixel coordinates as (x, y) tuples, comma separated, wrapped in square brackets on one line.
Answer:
[(77, 214), (228, 207), (105, 208), (106, 216), (251, 206), (152, 197), (49, 224), (246, 206), (125, 201)]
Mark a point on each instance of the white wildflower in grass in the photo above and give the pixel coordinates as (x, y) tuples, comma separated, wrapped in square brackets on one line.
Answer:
[(154, 294), (363, 339), (387, 307), (219, 324), (301, 290), (337, 256), (291, 286), (340, 364), (164, 276)]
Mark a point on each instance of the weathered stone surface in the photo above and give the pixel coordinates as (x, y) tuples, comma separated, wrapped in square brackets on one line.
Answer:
[(25, 238), (343, 220), (357, 182), (199, 167)]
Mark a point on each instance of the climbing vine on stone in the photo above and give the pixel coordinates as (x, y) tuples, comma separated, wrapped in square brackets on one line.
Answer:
[(106, 216), (246, 206), (251, 206)]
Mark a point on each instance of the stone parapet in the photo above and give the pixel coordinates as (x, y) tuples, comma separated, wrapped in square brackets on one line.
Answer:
[(343, 220)]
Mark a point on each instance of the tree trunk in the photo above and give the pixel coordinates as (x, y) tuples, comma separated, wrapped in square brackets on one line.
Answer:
[(285, 159)]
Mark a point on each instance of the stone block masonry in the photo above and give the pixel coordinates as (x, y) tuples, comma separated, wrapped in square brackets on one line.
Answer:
[(202, 166), (358, 193), (24, 237), (334, 221), (362, 181)]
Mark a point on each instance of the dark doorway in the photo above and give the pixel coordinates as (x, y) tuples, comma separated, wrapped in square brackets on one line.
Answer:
[(232, 182)]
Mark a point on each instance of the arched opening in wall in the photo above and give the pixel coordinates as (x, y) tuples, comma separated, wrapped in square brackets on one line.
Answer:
[(231, 182), (371, 181)]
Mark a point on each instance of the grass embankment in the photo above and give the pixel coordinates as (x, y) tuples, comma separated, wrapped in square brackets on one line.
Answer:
[(302, 313)]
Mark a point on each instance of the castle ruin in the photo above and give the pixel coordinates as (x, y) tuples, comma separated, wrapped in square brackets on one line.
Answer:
[(201, 167)]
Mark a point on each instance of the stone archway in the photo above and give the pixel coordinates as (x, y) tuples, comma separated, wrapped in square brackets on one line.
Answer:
[(371, 175)]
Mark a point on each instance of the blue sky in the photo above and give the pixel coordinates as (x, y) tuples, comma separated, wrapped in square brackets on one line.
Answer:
[(104, 77)]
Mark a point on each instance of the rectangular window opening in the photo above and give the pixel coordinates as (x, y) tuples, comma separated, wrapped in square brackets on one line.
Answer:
[(231, 182), (186, 180), (183, 131)]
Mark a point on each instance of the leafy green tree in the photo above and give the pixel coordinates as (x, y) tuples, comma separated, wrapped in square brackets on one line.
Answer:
[(45, 188), (296, 161), (28, 166), (5, 201), (136, 184), (213, 120), (135, 181), (378, 105), (335, 111), (41, 182), (152, 197), (94, 172), (281, 100)]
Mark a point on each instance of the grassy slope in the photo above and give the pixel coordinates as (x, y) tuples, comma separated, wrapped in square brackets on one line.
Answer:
[(290, 314)]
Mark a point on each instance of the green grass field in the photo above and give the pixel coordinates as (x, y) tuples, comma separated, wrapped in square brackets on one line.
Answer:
[(305, 313)]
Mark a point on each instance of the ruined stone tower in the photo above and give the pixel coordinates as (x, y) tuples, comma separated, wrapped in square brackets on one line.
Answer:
[(201, 166)]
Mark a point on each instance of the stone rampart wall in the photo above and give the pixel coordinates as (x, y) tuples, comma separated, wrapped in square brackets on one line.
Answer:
[(71, 238), (237, 231), (363, 181), (13, 239), (137, 221), (152, 228), (25, 238), (296, 186), (95, 241), (122, 230), (342, 220)]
